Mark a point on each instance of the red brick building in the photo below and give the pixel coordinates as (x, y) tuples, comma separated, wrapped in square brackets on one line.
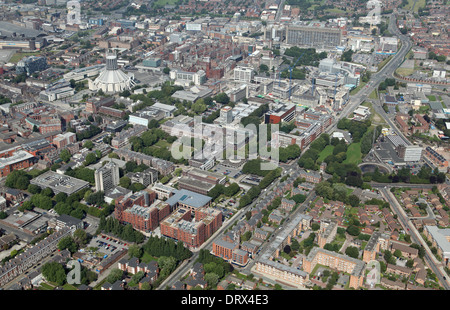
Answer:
[(192, 233), (141, 211)]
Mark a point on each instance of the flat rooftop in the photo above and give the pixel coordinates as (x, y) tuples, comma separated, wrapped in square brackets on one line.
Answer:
[(189, 198), (59, 183)]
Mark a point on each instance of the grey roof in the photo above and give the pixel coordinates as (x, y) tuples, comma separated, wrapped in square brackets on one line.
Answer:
[(189, 198), (440, 236), (7, 29)]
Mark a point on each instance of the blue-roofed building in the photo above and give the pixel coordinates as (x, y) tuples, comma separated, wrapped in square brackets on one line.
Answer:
[(188, 199)]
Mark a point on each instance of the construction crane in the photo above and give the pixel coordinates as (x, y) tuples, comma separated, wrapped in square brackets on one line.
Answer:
[(290, 73)]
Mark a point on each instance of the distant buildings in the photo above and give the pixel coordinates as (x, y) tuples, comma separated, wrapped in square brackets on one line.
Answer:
[(184, 78)]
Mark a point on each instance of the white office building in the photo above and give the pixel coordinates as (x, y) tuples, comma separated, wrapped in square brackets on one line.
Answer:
[(243, 74), (107, 177)]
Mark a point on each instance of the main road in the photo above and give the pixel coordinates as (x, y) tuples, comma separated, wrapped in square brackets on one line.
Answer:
[(379, 76)]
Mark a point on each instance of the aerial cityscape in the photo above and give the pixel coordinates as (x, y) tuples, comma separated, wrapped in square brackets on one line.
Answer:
[(235, 145)]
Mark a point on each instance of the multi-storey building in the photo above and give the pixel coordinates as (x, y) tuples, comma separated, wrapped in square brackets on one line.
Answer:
[(327, 232), (200, 181), (243, 74), (377, 242), (145, 178), (342, 263), (16, 161), (192, 233), (163, 167), (280, 113), (107, 176), (31, 64), (313, 36), (94, 104), (440, 239), (62, 140), (141, 210)]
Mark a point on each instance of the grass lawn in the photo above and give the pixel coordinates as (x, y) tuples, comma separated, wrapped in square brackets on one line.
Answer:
[(358, 88), (405, 71), (147, 258), (45, 286), (419, 4), (162, 144), (373, 94), (164, 2), (328, 150), (353, 154), (431, 97), (18, 56), (69, 287)]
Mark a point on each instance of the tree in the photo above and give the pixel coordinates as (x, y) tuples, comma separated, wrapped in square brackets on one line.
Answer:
[(222, 98), (353, 200), (80, 237), (47, 192), (352, 251), (91, 158), (22, 182), (353, 230), (115, 275), (88, 144), (263, 68), (54, 272), (135, 251), (315, 226), (65, 155), (212, 279), (68, 243), (60, 197), (33, 189)]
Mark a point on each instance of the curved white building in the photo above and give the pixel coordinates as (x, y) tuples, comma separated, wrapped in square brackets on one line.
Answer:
[(112, 79)]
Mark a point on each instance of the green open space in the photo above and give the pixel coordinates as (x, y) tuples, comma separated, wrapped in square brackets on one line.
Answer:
[(358, 88), (419, 4), (328, 150), (353, 154), (405, 71), (19, 55), (164, 2)]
